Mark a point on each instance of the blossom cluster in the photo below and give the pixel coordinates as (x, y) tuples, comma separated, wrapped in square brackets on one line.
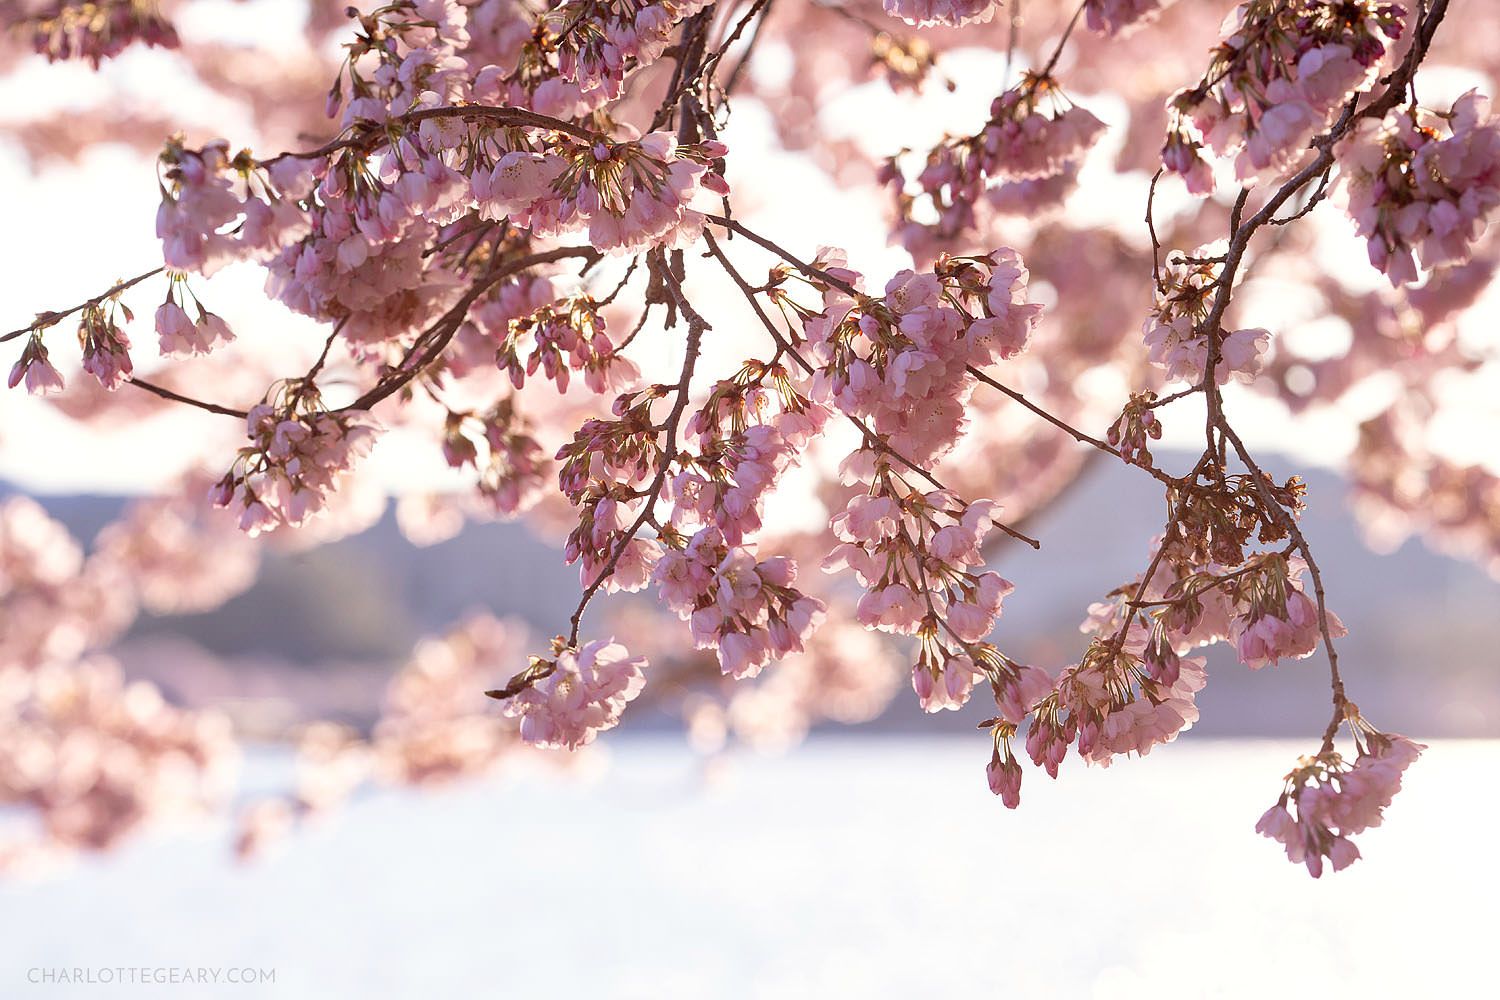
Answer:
[(95, 755), (1414, 191), (1034, 136), (902, 362), (362, 263), (620, 38), (106, 347), (915, 553), (563, 337), (846, 674), (576, 695), (55, 603), (1130, 692), (179, 334), (205, 192), (1274, 618), (1258, 604), (1136, 685), (1175, 333), (1327, 800), (1114, 17), (1401, 486), (746, 608), (952, 13), (499, 445), (605, 471), (750, 429), (473, 145), (629, 196), (297, 453), (435, 726), (35, 368), (180, 554), (97, 30), (1278, 77)]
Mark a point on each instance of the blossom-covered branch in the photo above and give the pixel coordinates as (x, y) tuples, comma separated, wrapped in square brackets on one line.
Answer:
[(505, 187)]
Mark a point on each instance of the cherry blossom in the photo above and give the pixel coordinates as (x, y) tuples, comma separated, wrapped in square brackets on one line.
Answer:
[(510, 236), (1327, 800), (577, 695), (1412, 194)]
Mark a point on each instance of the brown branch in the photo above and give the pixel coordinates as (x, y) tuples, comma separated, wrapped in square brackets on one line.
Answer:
[(785, 346), (697, 325), (177, 397), (367, 135), (437, 336), (47, 319)]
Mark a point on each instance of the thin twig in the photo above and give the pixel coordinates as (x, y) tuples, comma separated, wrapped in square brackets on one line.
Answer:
[(47, 319)]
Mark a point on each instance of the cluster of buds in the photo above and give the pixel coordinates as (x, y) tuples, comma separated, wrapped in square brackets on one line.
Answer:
[(1327, 800), (106, 348), (1018, 689), (1175, 333), (1004, 771), (563, 337), (1279, 77), (480, 340), (902, 361), (298, 452), (97, 30), (747, 609), (566, 701), (105, 345), (1135, 425), (1413, 191)]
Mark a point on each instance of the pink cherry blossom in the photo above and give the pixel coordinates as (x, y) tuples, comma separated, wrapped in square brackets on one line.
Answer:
[(580, 696)]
